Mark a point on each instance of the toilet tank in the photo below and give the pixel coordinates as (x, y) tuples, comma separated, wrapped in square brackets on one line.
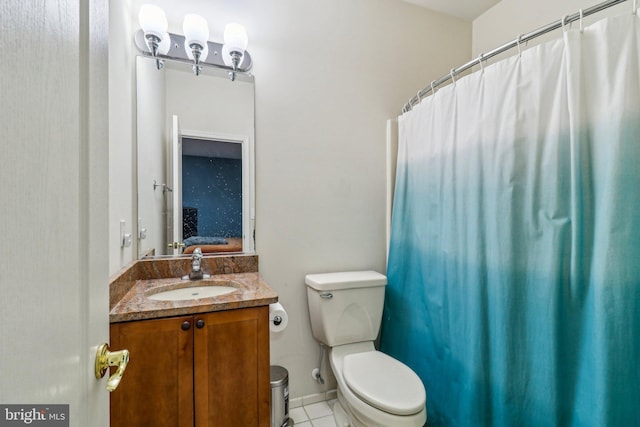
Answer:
[(345, 307)]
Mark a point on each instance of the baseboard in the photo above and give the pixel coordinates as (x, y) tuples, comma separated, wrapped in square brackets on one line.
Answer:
[(313, 398)]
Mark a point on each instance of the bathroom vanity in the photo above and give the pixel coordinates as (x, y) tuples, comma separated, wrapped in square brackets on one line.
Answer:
[(193, 362)]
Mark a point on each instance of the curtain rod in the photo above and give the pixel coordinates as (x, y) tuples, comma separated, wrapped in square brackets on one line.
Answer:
[(523, 38)]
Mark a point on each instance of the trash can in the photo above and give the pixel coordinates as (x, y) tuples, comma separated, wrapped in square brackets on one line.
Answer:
[(280, 397)]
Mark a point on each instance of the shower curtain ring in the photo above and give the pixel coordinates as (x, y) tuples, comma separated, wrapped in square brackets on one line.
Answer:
[(582, 16), (518, 43), (419, 98), (453, 75), (564, 21), (481, 61), (433, 91)]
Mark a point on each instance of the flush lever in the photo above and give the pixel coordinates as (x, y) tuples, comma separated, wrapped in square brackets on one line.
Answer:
[(106, 358), (326, 295)]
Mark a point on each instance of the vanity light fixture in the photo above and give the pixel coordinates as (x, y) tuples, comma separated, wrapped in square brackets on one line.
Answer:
[(235, 43), (194, 47), (196, 35), (154, 25)]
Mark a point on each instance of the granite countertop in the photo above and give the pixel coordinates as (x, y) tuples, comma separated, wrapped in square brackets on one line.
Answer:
[(251, 291)]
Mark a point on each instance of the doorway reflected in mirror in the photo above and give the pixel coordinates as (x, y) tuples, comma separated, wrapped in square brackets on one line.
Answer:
[(211, 195)]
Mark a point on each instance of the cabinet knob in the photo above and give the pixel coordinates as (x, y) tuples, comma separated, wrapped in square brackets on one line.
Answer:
[(186, 325), (200, 323)]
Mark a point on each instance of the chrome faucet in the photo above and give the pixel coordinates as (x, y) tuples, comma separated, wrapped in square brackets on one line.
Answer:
[(196, 270)]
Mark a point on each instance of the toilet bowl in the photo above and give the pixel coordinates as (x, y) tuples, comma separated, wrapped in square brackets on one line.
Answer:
[(374, 389)]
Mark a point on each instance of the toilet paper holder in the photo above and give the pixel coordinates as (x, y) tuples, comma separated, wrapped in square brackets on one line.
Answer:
[(278, 318)]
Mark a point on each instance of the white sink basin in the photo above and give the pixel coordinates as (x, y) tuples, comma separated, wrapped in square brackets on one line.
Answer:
[(192, 292)]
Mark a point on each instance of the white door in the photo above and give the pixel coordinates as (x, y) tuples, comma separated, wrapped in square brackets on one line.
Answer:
[(54, 208), (174, 198)]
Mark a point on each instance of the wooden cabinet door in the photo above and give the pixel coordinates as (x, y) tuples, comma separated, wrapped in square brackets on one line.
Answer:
[(231, 359), (157, 387)]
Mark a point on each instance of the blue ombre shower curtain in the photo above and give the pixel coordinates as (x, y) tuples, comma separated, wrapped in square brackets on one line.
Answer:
[(514, 266)]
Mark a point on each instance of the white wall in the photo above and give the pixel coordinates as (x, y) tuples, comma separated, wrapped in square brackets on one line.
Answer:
[(509, 18), (210, 102), (121, 131), (151, 137), (327, 77)]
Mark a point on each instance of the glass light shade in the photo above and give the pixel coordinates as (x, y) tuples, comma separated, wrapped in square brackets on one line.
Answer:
[(165, 44), (203, 54), (196, 30), (153, 20), (235, 37)]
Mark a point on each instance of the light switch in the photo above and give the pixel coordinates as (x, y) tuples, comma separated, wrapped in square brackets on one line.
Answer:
[(142, 232), (125, 238)]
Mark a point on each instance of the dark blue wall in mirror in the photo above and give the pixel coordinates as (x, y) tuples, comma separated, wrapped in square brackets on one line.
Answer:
[(212, 191)]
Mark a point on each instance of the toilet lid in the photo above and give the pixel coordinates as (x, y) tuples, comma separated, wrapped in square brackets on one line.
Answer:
[(384, 382)]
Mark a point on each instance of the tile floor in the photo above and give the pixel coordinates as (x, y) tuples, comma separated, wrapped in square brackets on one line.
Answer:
[(314, 415)]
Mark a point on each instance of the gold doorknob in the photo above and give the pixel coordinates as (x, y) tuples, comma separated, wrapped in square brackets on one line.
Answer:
[(175, 245), (106, 358)]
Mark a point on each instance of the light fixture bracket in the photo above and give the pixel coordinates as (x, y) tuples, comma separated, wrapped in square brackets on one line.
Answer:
[(153, 43), (196, 51), (177, 53), (236, 57)]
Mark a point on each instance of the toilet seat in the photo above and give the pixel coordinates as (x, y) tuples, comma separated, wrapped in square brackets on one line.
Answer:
[(384, 382)]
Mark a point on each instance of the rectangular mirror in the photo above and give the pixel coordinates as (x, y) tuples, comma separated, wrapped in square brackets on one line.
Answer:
[(195, 160)]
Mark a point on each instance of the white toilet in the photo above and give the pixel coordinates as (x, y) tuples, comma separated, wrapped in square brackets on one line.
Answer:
[(374, 389)]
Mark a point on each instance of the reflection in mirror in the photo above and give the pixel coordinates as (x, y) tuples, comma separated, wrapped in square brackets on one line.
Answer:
[(211, 195), (195, 168)]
